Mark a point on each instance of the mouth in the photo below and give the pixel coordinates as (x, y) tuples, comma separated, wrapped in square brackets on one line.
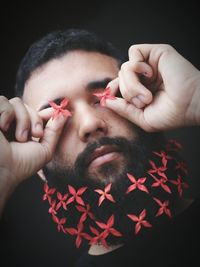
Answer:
[(102, 155)]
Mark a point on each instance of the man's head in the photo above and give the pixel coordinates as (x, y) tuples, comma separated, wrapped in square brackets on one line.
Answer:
[(97, 147)]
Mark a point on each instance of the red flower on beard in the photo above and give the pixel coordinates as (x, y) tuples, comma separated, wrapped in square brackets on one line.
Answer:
[(180, 185), (159, 170), (108, 227), (48, 192), (86, 213), (139, 221), (163, 207), (105, 95), (182, 166), (99, 237), (104, 194), (60, 109), (164, 156), (79, 233), (136, 184), (173, 145), (76, 195), (60, 223), (161, 182), (62, 201)]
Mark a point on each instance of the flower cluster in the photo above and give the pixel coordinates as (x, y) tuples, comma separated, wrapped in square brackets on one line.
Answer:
[(99, 231)]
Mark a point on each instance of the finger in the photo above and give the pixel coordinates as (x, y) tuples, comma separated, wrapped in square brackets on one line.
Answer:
[(141, 52), (46, 113), (36, 123), (23, 122), (129, 112), (51, 135), (130, 75), (114, 86), (7, 113)]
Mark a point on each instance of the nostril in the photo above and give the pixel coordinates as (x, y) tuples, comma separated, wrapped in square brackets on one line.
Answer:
[(87, 135)]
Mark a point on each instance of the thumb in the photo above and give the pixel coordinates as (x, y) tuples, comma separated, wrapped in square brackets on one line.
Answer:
[(51, 136), (129, 112)]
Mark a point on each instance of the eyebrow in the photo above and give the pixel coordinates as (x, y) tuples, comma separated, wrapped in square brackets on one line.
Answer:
[(90, 87)]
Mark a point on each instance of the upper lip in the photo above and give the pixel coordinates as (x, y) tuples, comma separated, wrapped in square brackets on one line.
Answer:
[(98, 152)]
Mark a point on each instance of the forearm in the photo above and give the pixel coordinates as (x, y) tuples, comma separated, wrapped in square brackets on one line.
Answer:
[(6, 189)]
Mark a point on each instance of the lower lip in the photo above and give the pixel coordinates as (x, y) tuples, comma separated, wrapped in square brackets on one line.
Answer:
[(104, 159)]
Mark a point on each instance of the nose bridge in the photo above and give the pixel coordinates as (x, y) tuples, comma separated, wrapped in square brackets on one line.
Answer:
[(90, 123)]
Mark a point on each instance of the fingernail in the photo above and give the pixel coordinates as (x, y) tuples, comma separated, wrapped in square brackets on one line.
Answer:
[(137, 102), (141, 97), (24, 134), (38, 127)]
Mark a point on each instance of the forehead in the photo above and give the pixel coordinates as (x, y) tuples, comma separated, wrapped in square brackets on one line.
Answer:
[(68, 76)]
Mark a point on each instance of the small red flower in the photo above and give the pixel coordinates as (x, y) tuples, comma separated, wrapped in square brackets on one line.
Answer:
[(52, 209), (173, 145), (159, 170), (76, 195), (180, 185), (60, 223), (86, 213), (104, 194), (60, 109), (99, 237), (48, 192), (161, 182), (108, 227), (163, 207), (182, 166), (105, 95), (62, 202), (139, 221), (164, 156), (79, 233), (136, 184)]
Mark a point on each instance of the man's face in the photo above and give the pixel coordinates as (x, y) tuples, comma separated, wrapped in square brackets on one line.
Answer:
[(77, 76)]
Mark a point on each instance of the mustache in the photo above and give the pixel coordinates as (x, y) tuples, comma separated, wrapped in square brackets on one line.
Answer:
[(82, 159)]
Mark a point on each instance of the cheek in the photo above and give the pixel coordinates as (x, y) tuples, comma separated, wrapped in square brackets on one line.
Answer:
[(121, 127)]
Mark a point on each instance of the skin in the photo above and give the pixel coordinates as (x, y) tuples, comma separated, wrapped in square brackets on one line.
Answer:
[(67, 77), (160, 91)]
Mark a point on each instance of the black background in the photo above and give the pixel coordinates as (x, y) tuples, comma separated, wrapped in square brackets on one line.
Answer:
[(27, 231)]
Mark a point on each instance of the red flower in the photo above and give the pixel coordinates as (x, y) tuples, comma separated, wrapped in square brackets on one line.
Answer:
[(105, 95), (98, 237), (79, 233), (60, 109), (136, 184), (104, 194), (139, 221), (62, 201), (162, 154), (161, 182), (108, 227), (163, 207), (48, 192), (173, 145), (76, 195), (180, 185), (86, 213), (182, 166), (52, 209), (158, 170), (60, 223)]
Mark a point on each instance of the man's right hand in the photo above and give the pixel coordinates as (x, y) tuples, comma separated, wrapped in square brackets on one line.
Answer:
[(21, 156)]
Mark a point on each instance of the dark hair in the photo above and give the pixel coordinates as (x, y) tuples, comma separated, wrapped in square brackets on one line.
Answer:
[(55, 45)]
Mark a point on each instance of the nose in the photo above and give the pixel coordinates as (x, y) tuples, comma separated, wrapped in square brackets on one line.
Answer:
[(91, 126)]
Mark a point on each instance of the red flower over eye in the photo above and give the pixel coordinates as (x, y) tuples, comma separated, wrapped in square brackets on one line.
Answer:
[(105, 95), (60, 109)]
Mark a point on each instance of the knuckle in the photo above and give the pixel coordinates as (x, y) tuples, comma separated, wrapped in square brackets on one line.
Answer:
[(125, 66), (3, 99), (15, 100)]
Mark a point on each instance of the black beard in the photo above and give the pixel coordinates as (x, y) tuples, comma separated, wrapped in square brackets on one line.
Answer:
[(137, 153)]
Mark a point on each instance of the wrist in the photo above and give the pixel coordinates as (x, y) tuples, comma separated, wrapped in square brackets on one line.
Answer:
[(193, 110), (7, 186)]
